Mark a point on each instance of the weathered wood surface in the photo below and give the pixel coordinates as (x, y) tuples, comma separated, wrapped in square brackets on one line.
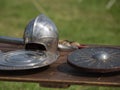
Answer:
[(58, 73)]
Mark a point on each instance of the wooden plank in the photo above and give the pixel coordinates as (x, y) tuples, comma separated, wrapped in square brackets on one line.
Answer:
[(59, 72)]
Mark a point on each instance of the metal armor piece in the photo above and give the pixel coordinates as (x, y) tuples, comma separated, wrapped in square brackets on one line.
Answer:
[(41, 42), (42, 31), (96, 59), (25, 59)]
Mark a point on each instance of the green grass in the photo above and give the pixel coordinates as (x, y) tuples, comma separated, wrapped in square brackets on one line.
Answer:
[(85, 21), (34, 86)]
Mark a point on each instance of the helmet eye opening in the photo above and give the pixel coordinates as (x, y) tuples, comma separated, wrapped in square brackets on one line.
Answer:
[(35, 46)]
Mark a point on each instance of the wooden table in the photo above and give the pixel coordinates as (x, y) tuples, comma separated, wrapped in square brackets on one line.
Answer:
[(59, 74)]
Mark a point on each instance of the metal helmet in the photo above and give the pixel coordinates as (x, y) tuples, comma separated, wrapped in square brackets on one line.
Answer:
[(43, 32)]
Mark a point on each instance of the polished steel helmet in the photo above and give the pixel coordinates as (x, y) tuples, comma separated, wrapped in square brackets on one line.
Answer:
[(41, 33)]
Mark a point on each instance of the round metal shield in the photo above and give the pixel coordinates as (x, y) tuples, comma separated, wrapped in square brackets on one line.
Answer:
[(96, 59), (22, 59)]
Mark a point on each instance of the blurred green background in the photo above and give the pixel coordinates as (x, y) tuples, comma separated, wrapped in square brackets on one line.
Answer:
[(84, 21)]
